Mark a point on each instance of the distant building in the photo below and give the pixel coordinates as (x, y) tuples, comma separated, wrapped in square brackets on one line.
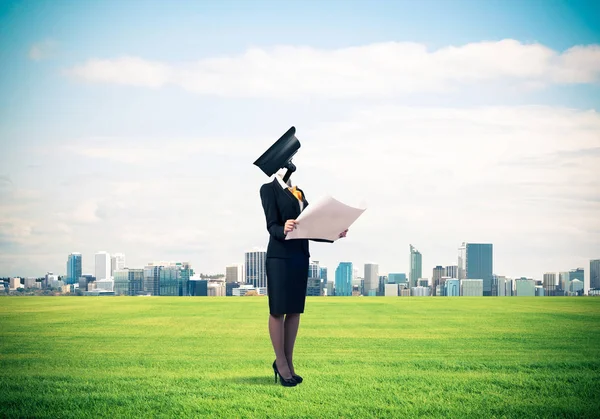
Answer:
[(371, 284), (31, 283), (451, 271), (564, 282), (383, 280), (216, 289), (549, 283), (509, 287), (452, 288), (416, 266), (129, 282), (397, 278), (475, 261), (420, 291), (343, 279), (73, 268), (105, 284), (255, 264), (595, 274), (471, 287), (438, 273), (15, 283), (324, 274), (391, 290), (576, 287), (539, 291), (117, 263), (84, 281), (102, 265), (199, 287), (234, 273), (423, 282), (501, 284), (404, 292), (230, 286), (525, 287)]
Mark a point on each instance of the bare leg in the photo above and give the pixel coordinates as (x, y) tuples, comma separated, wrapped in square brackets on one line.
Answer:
[(276, 331), (292, 322)]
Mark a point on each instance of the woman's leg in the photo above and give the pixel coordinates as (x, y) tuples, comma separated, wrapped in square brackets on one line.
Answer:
[(292, 322), (276, 331)]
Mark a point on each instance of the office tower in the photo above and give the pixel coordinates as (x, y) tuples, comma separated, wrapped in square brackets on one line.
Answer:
[(234, 274), (102, 266), (73, 268), (576, 287), (509, 288), (129, 281), (576, 274), (174, 279), (423, 282), (451, 271), (501, 286), (324, 275), (383, 280), (256, 273), (595, 274), (343, 279), (420, 291), (314, 284), (371, 284), (438, 273), (549, 283), (416, 266), (452, 288), (525, 287), (391, 290), (563, 282), (117, 263), (539, 291), (471, 287), (475, 261), (397, 278)]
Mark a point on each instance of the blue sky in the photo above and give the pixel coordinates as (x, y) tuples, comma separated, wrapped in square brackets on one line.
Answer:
[(92, 93)]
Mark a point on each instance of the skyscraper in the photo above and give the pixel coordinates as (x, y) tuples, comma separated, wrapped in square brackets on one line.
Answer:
[(102, 266), (73, 268), (256, 273), (314, 285), (371, 279), (117, 262), (343, 279), (451, 271), (595, 274), (475, 261), (550, 283), (438, 273), (416, 266), (397, 278), (234, 273)]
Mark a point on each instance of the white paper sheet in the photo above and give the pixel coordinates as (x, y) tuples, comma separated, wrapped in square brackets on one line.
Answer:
[(325, 219)]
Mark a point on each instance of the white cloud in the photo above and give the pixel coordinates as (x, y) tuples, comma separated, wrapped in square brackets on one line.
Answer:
[(375, 70), (43, 50)]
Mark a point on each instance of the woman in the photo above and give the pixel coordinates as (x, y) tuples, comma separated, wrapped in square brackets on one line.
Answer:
[(287, 272)]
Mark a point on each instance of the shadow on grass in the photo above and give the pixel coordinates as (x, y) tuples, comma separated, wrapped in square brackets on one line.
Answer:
[(259, 380)]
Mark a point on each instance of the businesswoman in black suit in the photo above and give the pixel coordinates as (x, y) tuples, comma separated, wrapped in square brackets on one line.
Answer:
[(287, 272)]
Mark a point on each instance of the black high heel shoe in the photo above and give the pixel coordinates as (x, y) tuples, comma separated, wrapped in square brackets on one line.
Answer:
[(284, 382), (297, 378)]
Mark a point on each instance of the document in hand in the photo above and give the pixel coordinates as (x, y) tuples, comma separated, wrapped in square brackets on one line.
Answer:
[(325, 219)]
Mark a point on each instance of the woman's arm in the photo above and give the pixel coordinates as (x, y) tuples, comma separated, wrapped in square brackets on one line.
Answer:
[(269, 204)]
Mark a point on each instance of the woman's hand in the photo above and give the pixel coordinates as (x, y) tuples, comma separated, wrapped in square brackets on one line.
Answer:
[(289, 226), (343, 233)]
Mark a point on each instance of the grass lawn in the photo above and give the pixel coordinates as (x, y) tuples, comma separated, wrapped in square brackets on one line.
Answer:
[(360, 357)]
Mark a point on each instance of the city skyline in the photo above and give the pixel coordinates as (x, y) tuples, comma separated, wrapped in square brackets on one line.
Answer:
[(133, 126)]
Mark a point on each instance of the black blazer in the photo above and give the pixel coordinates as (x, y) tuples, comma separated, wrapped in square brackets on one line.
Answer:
[(281, 205)]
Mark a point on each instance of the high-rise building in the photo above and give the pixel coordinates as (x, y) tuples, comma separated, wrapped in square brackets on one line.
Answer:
[(452, 288), (397, 278), (343, 279), (391, 290), (234, 273), (501, 286), (451, 271), (314, 284), (476, 261), (416, 266), (256, 272), (471, 287), (576, 274), (371, 284), (576, 287), (383, 280), (73, 268), (525, 287), (324, 275), (438, 273), (102, 266), (129, 281), (595, 274), (117, 263), (564, 282), (549, 283), (174, 279)]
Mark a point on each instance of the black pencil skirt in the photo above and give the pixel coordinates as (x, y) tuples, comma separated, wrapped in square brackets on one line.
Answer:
[(286, 284)]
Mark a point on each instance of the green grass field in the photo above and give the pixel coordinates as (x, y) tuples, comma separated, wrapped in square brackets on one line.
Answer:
[(360, 357)]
